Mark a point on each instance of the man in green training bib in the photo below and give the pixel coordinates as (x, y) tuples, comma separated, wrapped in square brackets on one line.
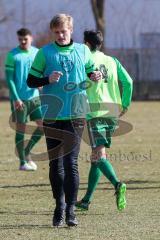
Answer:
[(61, 68), (25, 101), (106, 106)]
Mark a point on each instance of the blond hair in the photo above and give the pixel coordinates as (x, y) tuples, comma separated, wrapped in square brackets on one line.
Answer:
[(61, 19)]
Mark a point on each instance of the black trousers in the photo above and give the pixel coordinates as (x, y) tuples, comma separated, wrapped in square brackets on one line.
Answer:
[(63, 138)]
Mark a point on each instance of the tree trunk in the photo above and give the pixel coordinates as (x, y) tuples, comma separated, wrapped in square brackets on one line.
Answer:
[(98, 11)]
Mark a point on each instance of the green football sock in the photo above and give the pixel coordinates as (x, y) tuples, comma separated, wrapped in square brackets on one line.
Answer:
[(93, 179), (36, 136), (107, 169), (19, 141)]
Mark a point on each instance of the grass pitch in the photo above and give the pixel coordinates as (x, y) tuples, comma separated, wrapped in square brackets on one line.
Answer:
[(26, 204)]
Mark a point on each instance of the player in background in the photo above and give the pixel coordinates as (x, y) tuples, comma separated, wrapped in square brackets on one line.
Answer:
[(106, 107), (25, 102)]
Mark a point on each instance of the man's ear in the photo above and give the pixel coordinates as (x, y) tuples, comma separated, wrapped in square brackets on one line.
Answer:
[(71, 29), (88, 44)]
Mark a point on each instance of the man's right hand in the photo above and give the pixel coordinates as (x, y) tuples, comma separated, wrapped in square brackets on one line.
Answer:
[(96, 76), (55, 76), (18, 105)]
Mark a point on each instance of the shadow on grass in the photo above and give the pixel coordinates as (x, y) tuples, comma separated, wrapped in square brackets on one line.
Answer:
[(139, 184), (24, 226), (83, 185), (39, 226), (27, 185), (31, 226), (129, 182), (46, 213)]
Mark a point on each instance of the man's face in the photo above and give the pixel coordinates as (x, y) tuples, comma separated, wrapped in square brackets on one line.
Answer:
[(25, 41), (62, 34)]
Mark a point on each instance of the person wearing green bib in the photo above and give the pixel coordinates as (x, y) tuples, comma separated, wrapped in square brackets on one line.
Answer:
[(25, 102), (106, 106), (61, 68)]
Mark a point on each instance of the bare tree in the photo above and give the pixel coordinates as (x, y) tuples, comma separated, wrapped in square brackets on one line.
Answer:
[(98, 11), (3, 17)]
